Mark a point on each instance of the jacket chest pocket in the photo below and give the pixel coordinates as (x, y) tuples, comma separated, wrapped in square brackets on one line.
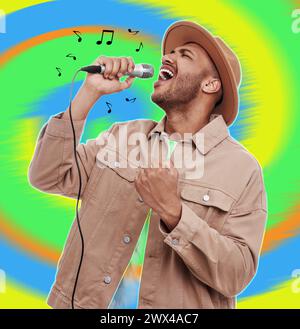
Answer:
[(210, 204)]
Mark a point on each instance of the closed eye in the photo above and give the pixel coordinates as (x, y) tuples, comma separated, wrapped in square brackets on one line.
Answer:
[(183, 53)]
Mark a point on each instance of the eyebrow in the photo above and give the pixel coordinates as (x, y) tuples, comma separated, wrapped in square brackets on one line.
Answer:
[(181, 50)]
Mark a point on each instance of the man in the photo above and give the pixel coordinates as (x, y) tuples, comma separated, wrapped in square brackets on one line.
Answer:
[(206, 223)]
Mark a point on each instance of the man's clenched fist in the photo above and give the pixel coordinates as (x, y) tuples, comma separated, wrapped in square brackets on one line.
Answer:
[(158, 187)]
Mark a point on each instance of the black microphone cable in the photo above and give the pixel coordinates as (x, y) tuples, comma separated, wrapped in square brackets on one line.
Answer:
[(79, 190), (146, 71), (88, 69)]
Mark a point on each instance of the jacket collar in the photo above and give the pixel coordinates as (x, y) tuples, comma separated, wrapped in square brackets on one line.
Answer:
[(214, 132)]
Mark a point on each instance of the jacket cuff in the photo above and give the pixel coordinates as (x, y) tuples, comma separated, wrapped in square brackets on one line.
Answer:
[(182, 234), (59, 127)]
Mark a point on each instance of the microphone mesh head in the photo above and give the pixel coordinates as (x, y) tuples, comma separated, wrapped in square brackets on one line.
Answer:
[(148, 71)]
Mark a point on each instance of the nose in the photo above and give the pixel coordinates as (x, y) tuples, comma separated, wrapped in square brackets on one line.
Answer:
[(167, 59)]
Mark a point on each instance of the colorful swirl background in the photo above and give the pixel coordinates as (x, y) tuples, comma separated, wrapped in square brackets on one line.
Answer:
[(39, 35)]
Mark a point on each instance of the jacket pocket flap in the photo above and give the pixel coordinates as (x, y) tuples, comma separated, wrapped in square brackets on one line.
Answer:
[(127, 173), (207, 196), (119, 165)]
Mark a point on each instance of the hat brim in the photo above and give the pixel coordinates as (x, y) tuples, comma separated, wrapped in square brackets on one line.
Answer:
[(182, 32)]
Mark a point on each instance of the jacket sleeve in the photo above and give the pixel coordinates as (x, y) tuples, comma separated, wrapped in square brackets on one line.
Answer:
[(225, 260), (53, 167)]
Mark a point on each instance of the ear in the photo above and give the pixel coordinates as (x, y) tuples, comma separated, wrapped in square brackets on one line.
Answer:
[(211, 86)]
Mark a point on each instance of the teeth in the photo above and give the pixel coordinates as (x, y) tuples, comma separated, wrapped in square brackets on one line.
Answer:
[(167, 71)]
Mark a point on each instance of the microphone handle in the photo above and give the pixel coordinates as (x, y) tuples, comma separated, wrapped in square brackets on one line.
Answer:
[(143, 71), (93, 69), (101, 69)]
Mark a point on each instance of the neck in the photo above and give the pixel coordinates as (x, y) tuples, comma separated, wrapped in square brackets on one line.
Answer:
[(188, 118)]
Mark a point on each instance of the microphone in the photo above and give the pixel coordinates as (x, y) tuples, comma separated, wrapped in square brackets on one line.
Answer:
[(143, 71)]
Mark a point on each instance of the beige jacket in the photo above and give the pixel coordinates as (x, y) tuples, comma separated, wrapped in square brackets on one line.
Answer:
[(204, 262)]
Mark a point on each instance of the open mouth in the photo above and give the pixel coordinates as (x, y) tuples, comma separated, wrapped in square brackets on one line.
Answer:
[(165, 74)]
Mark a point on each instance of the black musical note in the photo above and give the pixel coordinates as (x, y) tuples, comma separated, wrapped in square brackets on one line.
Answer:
[(59, 71), (72, 56), (79, 37), (140, 46), (133, 32), (109, 42), (109, 107), (132, 100)]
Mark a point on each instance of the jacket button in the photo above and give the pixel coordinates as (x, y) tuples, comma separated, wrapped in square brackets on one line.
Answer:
[(162, 136), (175, 241), (206, 197), (107, 279), (117, 164), (126, 238)]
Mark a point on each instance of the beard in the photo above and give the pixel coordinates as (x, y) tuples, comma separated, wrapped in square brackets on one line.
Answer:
[(181, 91)]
